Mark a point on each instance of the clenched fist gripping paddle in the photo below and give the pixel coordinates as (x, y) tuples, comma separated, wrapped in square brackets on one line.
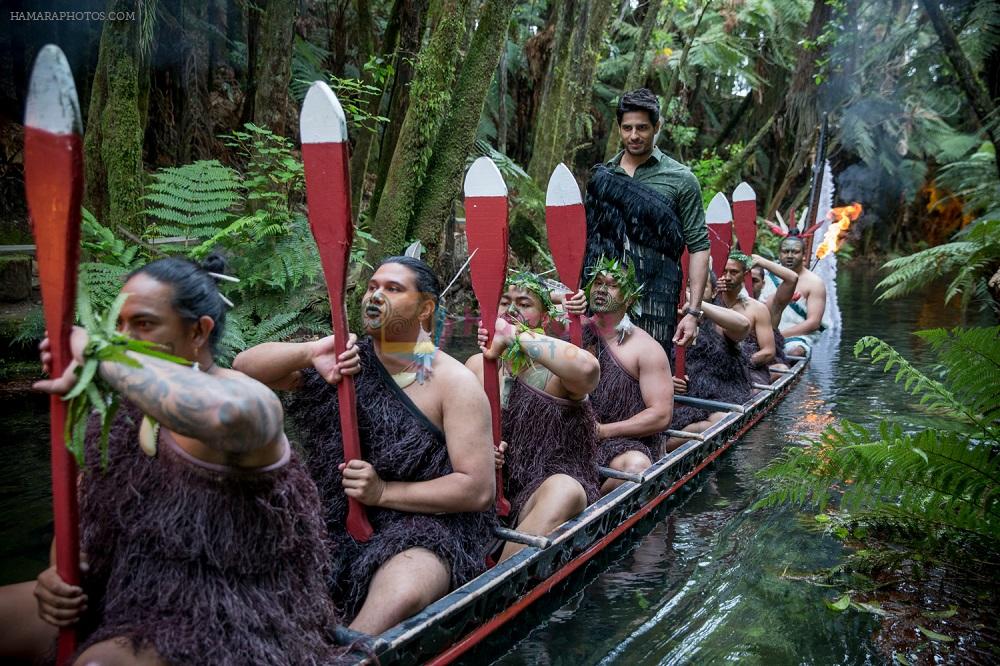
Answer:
[(745, 221), (486, 233), (328, 192), (53, 178), (566, 223)]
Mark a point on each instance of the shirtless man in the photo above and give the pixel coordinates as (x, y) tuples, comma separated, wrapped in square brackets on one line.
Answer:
[(634, 399), (802, 321), (549, 426), (759, 344), (427, 473)]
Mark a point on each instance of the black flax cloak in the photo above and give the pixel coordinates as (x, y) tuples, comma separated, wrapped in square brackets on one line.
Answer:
[(619, 210), (617, 398), (717, 369), (402, 445), (205, 567), (547, 435)]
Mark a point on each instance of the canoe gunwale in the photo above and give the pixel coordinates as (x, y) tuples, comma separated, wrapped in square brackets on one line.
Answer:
[(450, 626)]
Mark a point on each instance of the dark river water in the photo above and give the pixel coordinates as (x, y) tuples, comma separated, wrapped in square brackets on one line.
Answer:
[(707, 584)]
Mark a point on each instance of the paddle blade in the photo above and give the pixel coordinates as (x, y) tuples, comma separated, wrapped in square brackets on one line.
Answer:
[(486, 233), (53, 178), (566, 223), (719, 218), (745, 222), (323, 129)]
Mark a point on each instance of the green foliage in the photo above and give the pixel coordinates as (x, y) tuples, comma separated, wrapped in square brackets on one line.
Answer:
[(91, 392), (942, 482)]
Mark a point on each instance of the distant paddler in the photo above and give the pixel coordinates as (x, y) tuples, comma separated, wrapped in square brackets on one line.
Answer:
[(634, 399), (760, 271), (804, 320), (759, 344), (548, 423), (717, 368)]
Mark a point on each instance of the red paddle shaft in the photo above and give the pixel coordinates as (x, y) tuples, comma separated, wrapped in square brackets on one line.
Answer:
[(679, 351), (53, 175), (328, 190), (486, 231)]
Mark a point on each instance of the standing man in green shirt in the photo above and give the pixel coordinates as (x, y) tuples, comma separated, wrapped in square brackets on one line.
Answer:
[(649, 205)]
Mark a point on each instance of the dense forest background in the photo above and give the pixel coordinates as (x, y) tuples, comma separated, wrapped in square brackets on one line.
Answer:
[(203, 96)]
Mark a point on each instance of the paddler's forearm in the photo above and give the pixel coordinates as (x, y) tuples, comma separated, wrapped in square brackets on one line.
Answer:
[(647, 422), (733, 323), (453, 493), (272, 363), (229, 414), (697, 277), (786, 274), (577, 368), (803, 328)]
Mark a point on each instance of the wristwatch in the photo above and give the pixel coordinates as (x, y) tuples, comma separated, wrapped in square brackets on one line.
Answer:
[(695, 312)]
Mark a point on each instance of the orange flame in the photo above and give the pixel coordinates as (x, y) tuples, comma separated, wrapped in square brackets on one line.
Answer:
[(835, 234)]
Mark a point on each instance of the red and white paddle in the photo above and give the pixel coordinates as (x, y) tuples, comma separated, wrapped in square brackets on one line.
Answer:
[(566, 222), (328, 191), (745, 221), (53, 178), (719, 218), (486, 233)]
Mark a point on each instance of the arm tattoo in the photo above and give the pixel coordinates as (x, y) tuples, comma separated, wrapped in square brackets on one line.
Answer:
[(226, 413)]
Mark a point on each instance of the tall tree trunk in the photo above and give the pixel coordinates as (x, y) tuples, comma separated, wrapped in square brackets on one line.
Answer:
[(975, 94), (637, 70), (736, 162), (451, 148), (363, 139), (580, 27), (430, 95), (411, 30), (274, 64), (113, 140)]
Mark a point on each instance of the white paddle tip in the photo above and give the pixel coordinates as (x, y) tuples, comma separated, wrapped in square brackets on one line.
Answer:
[(562, 189), (718, 211), (744, 192), (322, 119), (52, 102), (483, 179)]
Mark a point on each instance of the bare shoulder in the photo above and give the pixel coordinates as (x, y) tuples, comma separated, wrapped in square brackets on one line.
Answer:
[(757, 308), (475, 364), (810, 283), (460, 382), (645, 346)]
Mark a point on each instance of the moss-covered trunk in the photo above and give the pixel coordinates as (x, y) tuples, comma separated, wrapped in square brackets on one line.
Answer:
[(411, 29), (113, 139), (274, 64), (364, 136), (452, 146), (430, 95), (580, 28)]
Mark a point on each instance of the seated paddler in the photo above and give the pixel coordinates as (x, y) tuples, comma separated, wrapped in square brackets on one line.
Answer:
[(717, 367), (426, 476), (762, 269), (201, 536), (633, 401), (548, 423), (759, 344)]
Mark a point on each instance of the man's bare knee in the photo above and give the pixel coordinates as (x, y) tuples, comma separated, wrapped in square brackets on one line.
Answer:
[(634, 462), (566, 492)]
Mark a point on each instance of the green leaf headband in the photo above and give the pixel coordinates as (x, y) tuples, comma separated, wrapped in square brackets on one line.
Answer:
[(742, 258), (623, 272), (530, 282)]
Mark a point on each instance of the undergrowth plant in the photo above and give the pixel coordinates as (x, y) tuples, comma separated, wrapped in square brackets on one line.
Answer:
[(940, 481)]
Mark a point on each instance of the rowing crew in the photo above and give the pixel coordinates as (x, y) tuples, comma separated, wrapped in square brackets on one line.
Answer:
[(207, 539)]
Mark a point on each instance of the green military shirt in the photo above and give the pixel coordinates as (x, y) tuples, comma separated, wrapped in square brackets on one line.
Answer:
[(671, 178)]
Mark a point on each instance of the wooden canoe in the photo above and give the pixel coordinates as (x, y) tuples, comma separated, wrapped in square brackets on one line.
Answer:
[(454, 624)]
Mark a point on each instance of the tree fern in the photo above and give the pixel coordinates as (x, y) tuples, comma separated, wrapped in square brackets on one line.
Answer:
[(942, 482), (194, 200)]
